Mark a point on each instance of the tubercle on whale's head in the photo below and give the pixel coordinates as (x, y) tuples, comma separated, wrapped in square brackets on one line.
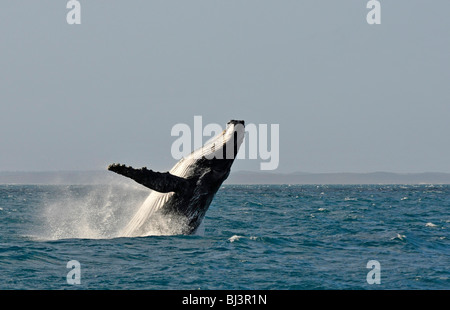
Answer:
[(235, 122)]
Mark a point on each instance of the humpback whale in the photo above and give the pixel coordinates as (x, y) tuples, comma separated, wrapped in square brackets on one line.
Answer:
[(180, 197)]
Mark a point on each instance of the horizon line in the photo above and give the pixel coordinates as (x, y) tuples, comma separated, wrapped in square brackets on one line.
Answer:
[(238, 171)]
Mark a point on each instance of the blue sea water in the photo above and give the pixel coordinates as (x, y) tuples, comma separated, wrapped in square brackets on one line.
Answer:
[(253, 237)]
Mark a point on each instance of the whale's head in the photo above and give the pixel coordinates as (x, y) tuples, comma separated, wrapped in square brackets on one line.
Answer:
[(219, 153), (212, 162), (226, 144)]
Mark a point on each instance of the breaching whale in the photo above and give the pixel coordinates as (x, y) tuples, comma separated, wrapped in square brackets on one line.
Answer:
[(181, 196)]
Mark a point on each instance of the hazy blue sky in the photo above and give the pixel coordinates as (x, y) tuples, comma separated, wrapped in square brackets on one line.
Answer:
[(348, 96)]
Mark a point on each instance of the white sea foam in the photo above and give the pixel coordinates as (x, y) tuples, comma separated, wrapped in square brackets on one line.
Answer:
[(237, 237)]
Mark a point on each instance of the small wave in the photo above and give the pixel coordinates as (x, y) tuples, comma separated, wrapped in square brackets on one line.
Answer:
[(237, 237), (399, 237), (234, 238), (350, 199), (429, 224)]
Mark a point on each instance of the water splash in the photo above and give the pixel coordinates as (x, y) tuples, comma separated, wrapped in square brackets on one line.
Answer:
[(103, 212), (92, 212)]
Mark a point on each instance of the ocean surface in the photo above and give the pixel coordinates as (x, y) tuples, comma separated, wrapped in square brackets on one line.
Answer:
[(253, 237)]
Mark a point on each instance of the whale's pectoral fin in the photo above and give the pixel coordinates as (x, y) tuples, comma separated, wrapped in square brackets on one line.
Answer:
[(158, 181)]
